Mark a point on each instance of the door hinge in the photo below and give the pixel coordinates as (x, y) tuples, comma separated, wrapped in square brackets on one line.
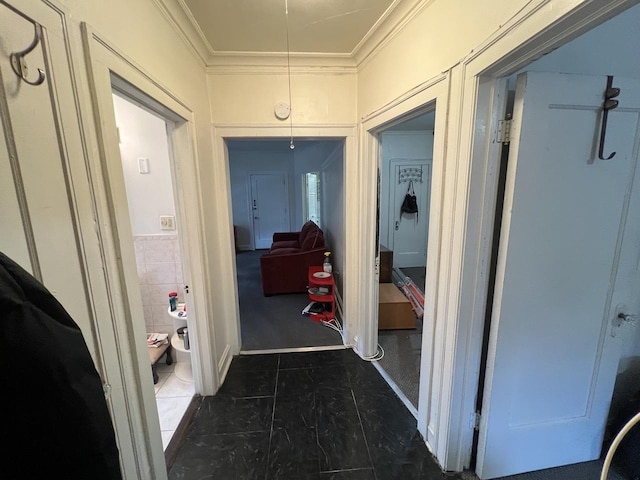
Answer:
[(504, 131), (476, 421)]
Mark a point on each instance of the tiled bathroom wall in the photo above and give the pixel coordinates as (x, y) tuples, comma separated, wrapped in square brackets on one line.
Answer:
[(160, 272)]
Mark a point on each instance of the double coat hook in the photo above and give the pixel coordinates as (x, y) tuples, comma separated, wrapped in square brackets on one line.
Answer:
[(19, 64), (608, 104)]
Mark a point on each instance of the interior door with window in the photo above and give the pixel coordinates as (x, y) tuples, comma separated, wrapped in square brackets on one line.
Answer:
[(269, 206), (567, 267)]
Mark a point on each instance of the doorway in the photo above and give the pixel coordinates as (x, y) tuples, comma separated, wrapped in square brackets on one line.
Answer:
[(586, 393), (148, 178), (277, 189), (406, 157)]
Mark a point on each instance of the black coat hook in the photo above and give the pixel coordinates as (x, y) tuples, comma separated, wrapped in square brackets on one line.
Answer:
[(19, 64), (608, 104)]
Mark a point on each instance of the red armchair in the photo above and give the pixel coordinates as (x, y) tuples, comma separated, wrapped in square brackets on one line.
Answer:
[(285, 268)]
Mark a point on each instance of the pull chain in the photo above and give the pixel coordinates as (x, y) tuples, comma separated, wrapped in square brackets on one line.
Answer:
[(286, 15)]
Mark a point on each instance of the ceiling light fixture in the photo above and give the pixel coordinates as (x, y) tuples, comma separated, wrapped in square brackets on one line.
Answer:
[(286, 15)]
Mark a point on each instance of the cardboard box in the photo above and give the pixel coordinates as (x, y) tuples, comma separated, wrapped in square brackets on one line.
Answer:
[(386, 265), (394, 309)]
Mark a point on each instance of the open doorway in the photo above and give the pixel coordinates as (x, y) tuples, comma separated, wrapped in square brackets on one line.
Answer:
[(148, 175), (566, 376), (406, 157), (287, 192)]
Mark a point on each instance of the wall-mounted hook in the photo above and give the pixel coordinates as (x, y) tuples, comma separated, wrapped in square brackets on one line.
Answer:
[(608, 104), (19, 64)]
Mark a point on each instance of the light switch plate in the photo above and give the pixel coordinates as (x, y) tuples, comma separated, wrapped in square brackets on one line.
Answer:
[(167, 222), (143, 165)]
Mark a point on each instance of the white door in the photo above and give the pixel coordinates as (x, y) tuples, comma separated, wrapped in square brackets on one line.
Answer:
[(408, 232), (48, 221), (269, 206), (567, 224)]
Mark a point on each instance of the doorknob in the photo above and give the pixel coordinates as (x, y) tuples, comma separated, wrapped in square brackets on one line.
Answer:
[(625, 317), (620, 318), (397, 225), (256, 218)]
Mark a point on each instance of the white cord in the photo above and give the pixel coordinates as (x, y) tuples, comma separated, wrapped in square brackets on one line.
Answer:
[(286, 16), (338, 328), (614, 446), (378, 356)]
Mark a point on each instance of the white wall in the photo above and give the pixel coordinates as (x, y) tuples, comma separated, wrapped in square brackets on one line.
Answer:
[(149, 195), (311, 157), (266, 156), (241, 164), (333, 211), (609, 49)]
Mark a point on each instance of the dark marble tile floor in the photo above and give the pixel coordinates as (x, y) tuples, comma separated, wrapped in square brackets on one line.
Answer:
[(320, 415)]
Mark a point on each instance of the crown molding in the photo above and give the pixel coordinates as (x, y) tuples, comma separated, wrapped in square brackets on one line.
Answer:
[(276, 63), (379, 24), (182, 21), (393, 24)]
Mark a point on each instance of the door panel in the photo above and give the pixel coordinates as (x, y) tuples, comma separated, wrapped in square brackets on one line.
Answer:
[(552, 360), (49, 209), (408, 232), (269, 203)]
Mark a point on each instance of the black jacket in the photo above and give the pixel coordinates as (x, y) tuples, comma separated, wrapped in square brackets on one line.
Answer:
[(55, 423)]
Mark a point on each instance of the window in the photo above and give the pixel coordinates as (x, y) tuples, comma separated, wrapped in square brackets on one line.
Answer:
[(311, 197)]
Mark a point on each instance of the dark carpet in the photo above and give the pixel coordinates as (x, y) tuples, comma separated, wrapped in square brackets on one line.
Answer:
[(274, 322), (402, 348)]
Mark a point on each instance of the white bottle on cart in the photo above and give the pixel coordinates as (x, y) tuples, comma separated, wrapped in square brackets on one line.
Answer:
[(326, 265)]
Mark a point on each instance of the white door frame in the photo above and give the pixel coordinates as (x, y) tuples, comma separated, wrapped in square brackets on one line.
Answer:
[(106, 173), (478, 91), (431, 95), (354, 316)]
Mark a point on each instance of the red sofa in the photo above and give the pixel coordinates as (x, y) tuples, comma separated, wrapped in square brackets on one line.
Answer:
[(285, 268)]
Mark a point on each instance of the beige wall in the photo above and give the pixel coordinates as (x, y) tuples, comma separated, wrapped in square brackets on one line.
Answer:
[(434, 41), (248, 98), (142, 33)]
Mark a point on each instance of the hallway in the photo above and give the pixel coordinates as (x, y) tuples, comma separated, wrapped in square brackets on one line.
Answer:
[(321, 415), (324, 415)]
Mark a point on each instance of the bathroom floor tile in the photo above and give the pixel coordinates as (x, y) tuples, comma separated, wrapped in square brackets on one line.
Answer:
[(170, 411), (175, 387)]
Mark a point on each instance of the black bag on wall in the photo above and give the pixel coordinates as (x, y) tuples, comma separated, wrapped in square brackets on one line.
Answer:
[(410, 203)]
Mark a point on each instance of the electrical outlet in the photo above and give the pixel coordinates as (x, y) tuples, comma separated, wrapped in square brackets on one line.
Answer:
[(167, 222)]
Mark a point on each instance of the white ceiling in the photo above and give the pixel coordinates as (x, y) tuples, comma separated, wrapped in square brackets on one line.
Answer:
[(333, 27)]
